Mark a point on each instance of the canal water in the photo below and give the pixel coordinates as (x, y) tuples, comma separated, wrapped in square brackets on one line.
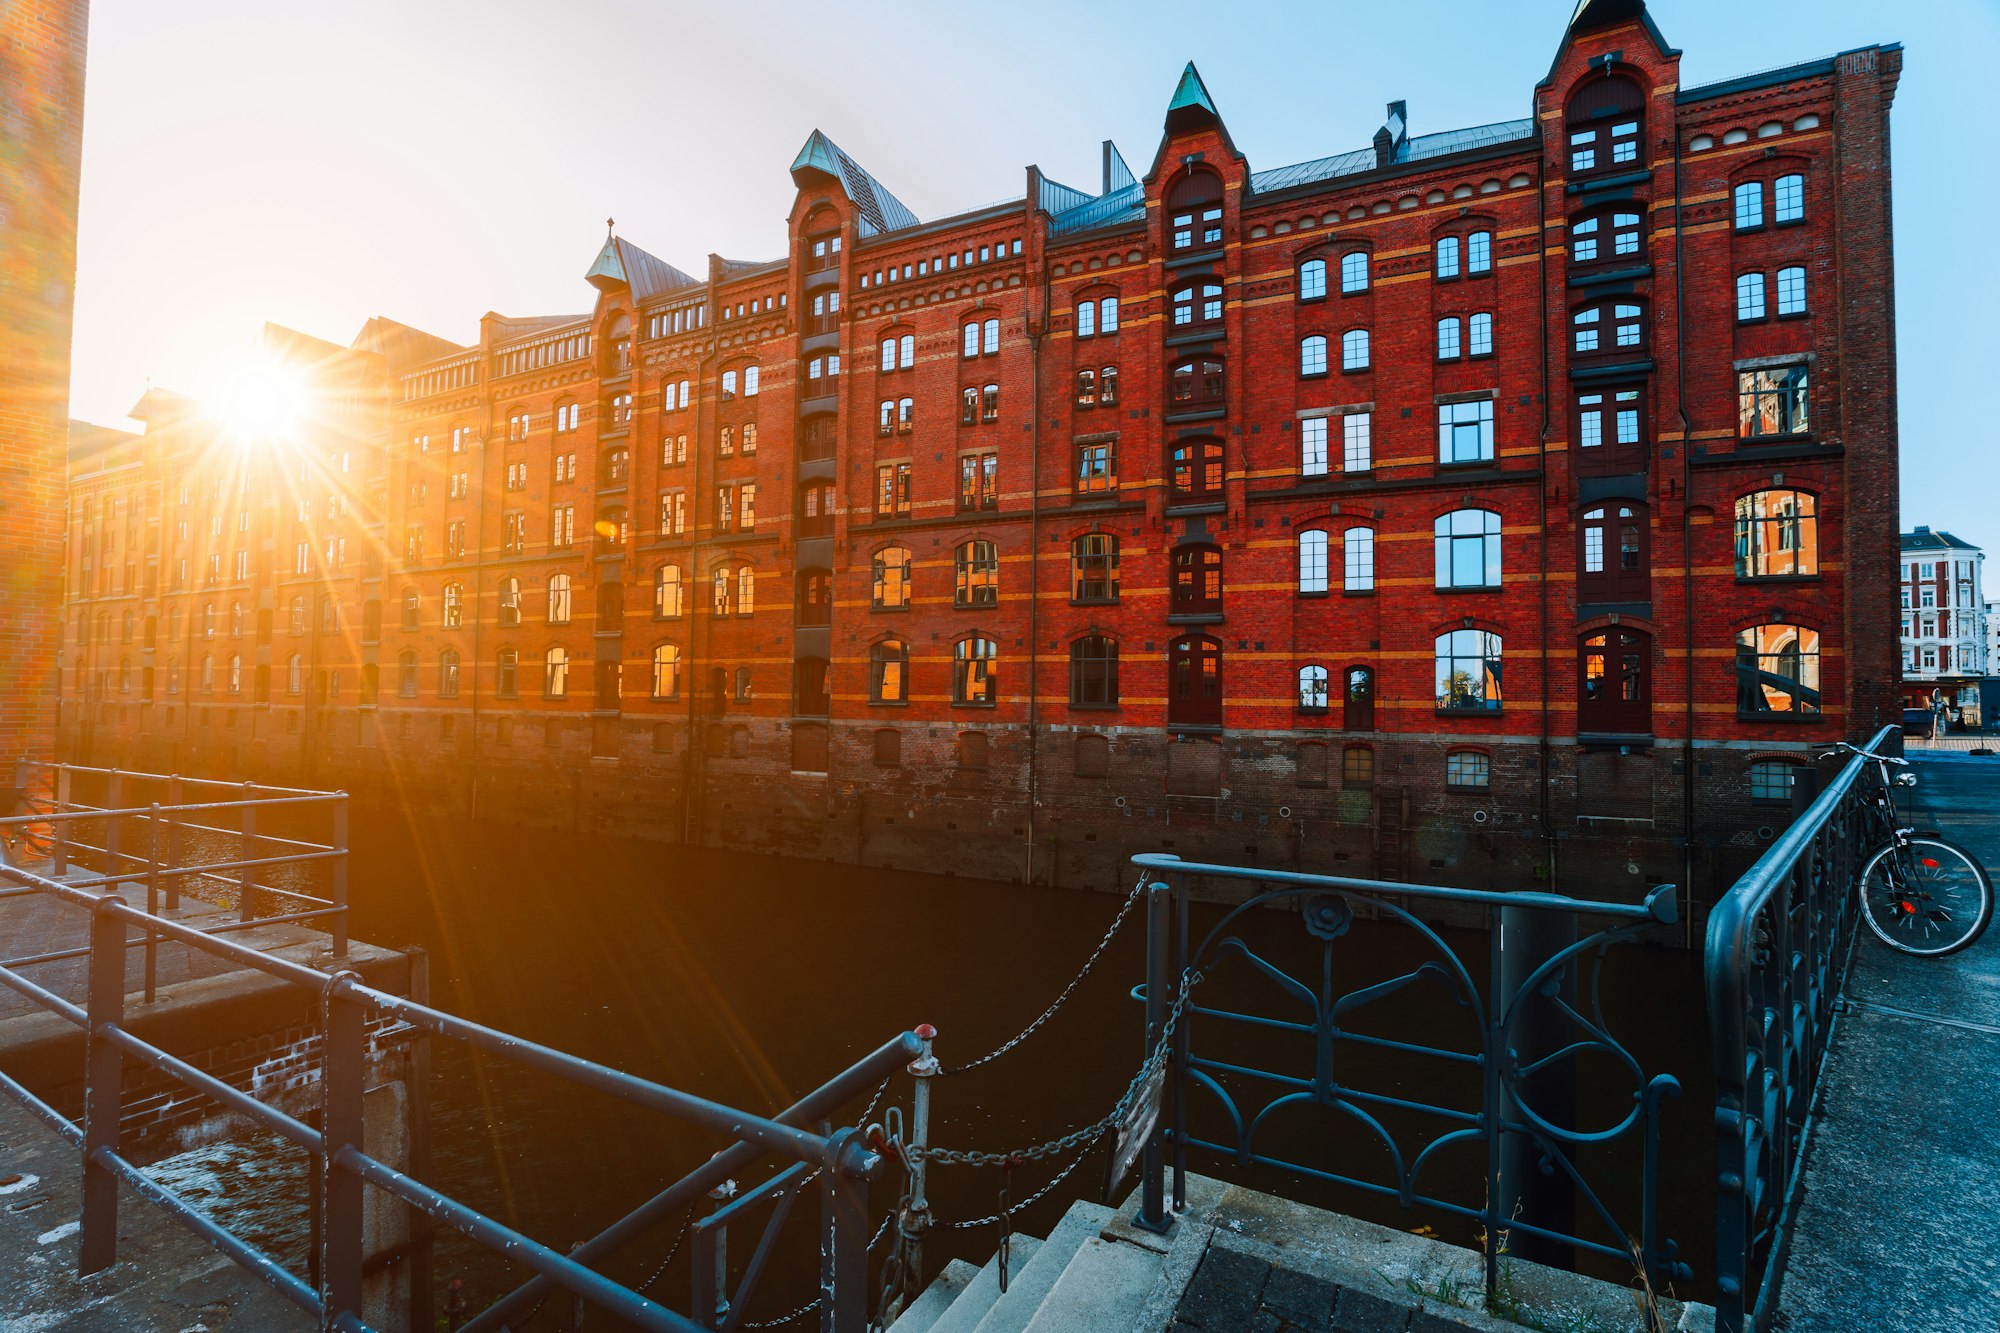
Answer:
[(750, 980)]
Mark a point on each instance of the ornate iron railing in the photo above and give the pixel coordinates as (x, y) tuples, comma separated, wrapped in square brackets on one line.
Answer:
[(89, 877), (1779, 944), (1526, 1016)]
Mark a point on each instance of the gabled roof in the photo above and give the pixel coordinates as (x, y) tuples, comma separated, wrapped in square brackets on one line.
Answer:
[(1923, 539), (401, 344), (509, 327), (621, 263), (878, 210)]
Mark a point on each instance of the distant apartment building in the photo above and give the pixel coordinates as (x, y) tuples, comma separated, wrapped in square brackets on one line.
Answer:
[(1945, 631), (1488, 506)]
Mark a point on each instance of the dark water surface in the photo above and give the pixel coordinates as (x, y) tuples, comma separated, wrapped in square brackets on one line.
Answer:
[(750, 980)]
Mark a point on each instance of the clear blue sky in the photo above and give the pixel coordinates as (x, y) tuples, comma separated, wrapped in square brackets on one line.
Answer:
[(433, 159)]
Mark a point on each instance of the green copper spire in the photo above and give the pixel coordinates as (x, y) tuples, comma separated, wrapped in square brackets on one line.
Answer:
[(1192, 93)]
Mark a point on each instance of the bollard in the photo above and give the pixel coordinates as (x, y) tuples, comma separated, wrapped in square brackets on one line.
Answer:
[(918, 1224)]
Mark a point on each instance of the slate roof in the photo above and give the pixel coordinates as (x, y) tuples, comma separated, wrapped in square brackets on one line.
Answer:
[(878, 210), (647, 275), (1923, 539), (1423, 147)]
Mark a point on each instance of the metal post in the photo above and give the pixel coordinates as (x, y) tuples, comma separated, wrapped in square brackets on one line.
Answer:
[(924, 1069), (174, 799), (246, 877), (710, 1262), (114, 796), (1183, 1039), (59, 862), (1531, 1187), (103, 1092), (152, 899), (423, 1231), (339, 918), (342, 1055), (1159, 943), (844, 1239)]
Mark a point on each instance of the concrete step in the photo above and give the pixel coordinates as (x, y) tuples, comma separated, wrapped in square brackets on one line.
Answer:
[(972, 1304), (934, 1300), (1028, 1284), (1103, 1287)]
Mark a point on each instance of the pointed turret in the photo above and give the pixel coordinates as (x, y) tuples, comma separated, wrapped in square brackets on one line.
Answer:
[(622, 264), (878, 210), (1603, 13), (1191, 106)]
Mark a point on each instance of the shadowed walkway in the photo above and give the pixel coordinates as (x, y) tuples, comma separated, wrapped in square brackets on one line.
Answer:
[(1897, 1224)]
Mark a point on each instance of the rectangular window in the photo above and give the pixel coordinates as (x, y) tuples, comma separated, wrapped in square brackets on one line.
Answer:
[(1354, 272), (1357, 453), (1789, 199), (1108, 321), (746, 507), (1479, 335), (892, 490), (971, 348), (1479, 252), (673, 513), (1096, 473), (979, 481), (1749, 205), (992, 336), (1465, 432), (1749, 296), (1448, 340), (1312, 447), (1359, 544), (1086, 319), (1773, 403), (1447, 258)]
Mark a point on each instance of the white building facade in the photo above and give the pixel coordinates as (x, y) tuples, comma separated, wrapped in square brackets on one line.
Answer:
[(1945, 617)]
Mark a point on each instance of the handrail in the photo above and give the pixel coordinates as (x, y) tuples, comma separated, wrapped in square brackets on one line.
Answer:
[(1777, 953)]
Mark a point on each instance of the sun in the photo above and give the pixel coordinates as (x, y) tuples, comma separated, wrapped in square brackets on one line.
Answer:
[(265, 402)]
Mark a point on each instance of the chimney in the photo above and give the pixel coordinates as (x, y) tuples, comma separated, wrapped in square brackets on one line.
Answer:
[(1394, 133)]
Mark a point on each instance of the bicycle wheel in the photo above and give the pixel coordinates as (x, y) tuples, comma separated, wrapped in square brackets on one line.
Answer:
[(1926, 897)]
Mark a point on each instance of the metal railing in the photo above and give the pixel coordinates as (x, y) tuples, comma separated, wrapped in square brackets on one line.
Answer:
[(841, 1159), (1523, 1027), (1779, 945)]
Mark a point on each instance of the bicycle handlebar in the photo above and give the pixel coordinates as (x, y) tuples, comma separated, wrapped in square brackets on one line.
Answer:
[(1848, 747)]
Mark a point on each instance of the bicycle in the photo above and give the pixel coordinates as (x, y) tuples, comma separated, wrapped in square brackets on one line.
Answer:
[(1919, 893), (25, 844)]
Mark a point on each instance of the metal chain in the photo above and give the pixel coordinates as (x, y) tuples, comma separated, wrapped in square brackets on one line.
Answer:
[(687, 1223), (1030, 1201), (802, 1311), (1124, 911), (1089, 1133)]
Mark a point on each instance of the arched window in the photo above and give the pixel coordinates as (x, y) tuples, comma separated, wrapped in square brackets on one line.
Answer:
[(1196, 306), (448, 674), (1093, 672), (1614, 682), (1194, 470), (1093, 561), (558, 607), (1450, 345), (1312, 561), (295, 674), (1354, 272), (1358, 564), (1468, 549), (1312, 280), (1605, 123), (1086, 388), (889, 672), (454, 606), (1312, 688), (1611, 558), (1445, 263), (666, 671), (1357, 707), (1607, 237), (815, 597), (1777, 535), (1354, 350), (510, 602), (669, 593), (1197, 586), (978, 575), (1788, 199), (406, 674), (1196, 382), (1777, 671), (975, 672), (1194, 212), (1312, 355), (1468, 671), (746, 590), (555, 674), (1194, 681), (1612, 327), (891, 589), (507, 673), (1611, 431)]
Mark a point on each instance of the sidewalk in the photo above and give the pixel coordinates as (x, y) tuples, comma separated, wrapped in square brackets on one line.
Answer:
[(1896, 1227)]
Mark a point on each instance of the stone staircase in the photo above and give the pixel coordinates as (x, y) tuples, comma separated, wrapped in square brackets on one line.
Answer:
[(1237, 1260)]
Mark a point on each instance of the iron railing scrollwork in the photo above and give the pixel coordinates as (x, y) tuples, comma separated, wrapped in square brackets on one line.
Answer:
[(1779, 944)]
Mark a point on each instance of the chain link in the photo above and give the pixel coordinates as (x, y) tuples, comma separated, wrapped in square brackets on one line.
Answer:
[(687, 1223), (1089, 1133), (1124, 911), (992, 1219), (802, 1311)]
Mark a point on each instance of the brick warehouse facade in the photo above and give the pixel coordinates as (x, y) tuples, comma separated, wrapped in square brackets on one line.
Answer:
[(1496, 506), (41, 97)]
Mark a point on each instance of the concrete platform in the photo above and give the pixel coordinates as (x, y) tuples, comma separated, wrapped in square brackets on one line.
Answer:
[(1896, 1226), (166, 1279)]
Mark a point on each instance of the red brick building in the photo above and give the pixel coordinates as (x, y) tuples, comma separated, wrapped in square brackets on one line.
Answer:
[(1504, 503)]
